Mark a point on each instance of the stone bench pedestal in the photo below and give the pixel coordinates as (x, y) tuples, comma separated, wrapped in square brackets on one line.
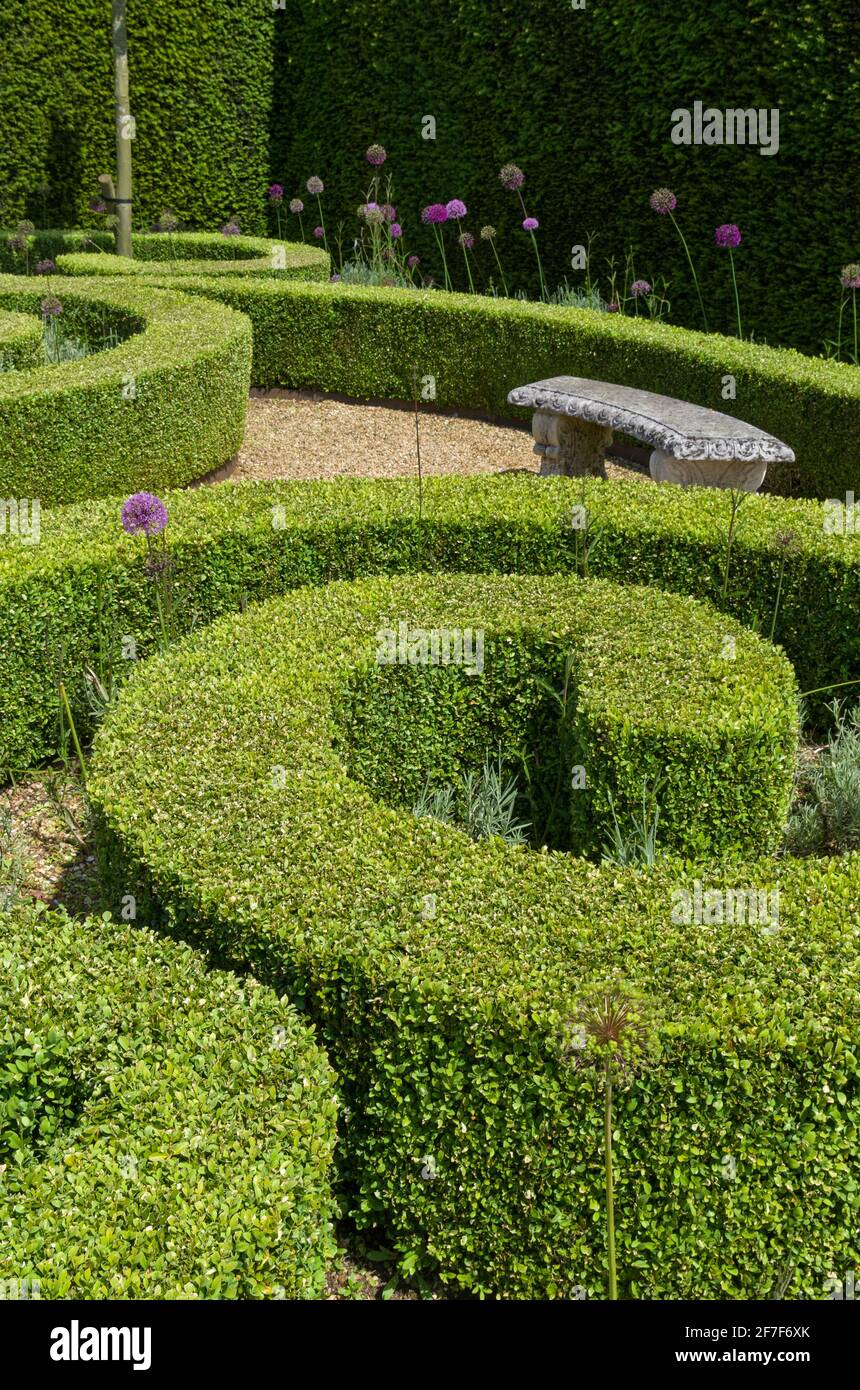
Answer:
[(572, 448)]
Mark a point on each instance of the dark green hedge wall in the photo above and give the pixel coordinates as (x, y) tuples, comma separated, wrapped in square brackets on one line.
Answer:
[(582, 100), (201, 84)]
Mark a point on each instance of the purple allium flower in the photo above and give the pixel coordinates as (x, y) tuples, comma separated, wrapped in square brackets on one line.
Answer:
[(488, 233), (389, 212), (663, 200), (466, 240), (296, 205), (727, 236), (456, 209), (612, 307), (145, 512), (26, 227), (395, 230), (512, 177), (276, 193), (16, 242), (334, 278), (372, 214), (376, 155), (98, 205), (530, 224), (45, 267), (850, 277), (640, 287), (315, 186), (319, 233), (435, 213), (51, 307), (413, 262), (231, 229)]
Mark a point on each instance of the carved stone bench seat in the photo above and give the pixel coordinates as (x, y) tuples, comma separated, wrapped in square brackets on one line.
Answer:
[(575, 418)]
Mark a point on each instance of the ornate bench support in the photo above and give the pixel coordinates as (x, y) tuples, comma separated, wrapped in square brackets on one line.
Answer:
[(743, 474), (574, 448)]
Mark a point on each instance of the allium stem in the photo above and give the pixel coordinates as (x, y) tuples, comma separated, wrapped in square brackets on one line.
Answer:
[(322, 222), (692, 270), (610, 1197), (543, 293), (839, 328), (441, 242), (854, 305), (301, 227), (468, 270), (501, 272), (735, 283), (73, 730)]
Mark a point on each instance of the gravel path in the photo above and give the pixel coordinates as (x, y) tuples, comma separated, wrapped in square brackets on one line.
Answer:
[(302, 435)]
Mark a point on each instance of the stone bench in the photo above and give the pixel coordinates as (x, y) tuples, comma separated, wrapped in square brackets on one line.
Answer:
[(574, 419)]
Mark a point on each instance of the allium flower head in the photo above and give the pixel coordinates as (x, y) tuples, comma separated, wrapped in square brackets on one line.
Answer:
[(488, 233), (315, 186), (376, 155), (16, 243), (168, 221), (25, 227), (372, 214), (45, 267), (850, 277), (231, 229), (98, 205), (663, 200), (333, 279), (51, 307), (276, 193), (395, 230), (530, 224), (512, 177), (389, 212), (612, 307), (296, 205), (727, 236), (145, 512), (456, 209), (413, 262), (466, 240), (435, 213), (319, 233), (640, 287)]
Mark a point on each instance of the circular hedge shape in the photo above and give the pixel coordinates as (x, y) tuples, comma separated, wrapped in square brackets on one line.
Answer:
[(443, 974), (20, 342), (168, 1131), (163, 407), (199, 253)]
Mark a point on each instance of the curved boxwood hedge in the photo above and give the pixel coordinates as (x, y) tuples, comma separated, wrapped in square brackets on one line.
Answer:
[(20, 342), (191, 253), (166, 1132), (68, 602), (365, 341), (442, 972), (165, 406)]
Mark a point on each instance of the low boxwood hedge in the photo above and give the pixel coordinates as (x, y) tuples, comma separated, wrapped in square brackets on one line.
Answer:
[(68, 602), (164, 406), (191, 253), (20, 342), (164, 1132), (444, 974), (365, 342)]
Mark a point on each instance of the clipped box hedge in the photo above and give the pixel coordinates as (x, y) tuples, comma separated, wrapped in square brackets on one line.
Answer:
[(189, 253), (68, 602), (20, 342), (364, 342), (443, 974), (165, 1132), (165, 406)]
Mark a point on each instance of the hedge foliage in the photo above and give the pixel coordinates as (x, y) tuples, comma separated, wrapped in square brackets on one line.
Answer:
[(68, 602), (188, 253), (165, 406), (20, 342), (201, 83), (571, 96), (365, 342), (168, 1131), (444, 975)]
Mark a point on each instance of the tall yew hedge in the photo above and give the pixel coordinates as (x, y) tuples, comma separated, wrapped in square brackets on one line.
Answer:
[(581, 99)]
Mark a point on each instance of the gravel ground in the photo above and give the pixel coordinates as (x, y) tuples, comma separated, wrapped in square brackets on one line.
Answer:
[(303, 435)]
